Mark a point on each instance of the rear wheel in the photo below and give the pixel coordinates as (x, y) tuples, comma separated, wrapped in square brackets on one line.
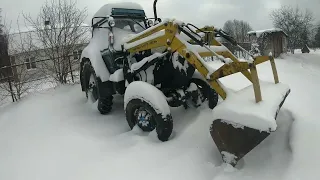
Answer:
[(94, 88), (141, 113)]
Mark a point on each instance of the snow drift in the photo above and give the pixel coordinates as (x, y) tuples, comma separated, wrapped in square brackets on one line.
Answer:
[(58, 135)]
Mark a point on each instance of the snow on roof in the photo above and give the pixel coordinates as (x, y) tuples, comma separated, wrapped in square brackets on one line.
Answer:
[(258, 33), (26, 38), (107, 8), (26, 29)]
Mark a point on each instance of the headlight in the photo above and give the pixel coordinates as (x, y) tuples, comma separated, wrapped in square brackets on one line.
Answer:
[(150, 23), (111, 23)]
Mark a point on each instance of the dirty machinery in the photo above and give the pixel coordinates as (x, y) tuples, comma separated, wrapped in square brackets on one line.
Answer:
[(234, 138)]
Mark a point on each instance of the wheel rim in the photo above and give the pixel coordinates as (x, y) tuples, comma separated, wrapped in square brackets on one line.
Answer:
[(92, 88), (144, 119)]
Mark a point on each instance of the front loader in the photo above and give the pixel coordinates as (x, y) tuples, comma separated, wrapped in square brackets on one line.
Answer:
[(246, 117)]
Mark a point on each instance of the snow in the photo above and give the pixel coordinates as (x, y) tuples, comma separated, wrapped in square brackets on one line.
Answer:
[(227, 60), (137, 65), (228, 158), (178, 22), (194, 49), (57, 134), (147, 30), (177, 64), (117, 76), (120, 36), (241, 108), (148, 93), (26, 38), (192, 87), (201, 49), (143, 40), (258, 33), (98, 42)]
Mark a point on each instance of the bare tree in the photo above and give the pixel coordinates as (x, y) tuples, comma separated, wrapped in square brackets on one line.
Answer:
[(4, 57), (3, 44), (295, 23), (1, 25), (18, 76), (60, 31), (317, 37), (238, 29)]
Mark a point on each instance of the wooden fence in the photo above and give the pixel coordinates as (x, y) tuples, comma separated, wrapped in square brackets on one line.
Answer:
[(10, 78)]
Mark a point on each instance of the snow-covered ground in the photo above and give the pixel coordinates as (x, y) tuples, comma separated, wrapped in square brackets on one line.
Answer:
[(58, 135)]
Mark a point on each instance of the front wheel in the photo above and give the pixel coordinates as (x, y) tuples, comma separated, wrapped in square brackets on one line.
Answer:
[(141, 113), (207, 92)]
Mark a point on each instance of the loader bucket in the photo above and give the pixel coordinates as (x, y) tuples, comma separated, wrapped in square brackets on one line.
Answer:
[(235, 142)]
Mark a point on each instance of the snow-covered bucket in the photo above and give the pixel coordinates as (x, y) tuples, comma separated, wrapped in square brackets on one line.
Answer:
[(240, 124)]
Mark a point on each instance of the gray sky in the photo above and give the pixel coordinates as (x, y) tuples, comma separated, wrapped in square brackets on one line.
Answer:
[(199, 12)]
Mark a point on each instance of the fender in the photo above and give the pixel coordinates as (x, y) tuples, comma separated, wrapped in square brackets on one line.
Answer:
[(93, 54)]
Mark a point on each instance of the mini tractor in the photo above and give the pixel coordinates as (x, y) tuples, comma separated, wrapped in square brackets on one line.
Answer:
[(157, 64)]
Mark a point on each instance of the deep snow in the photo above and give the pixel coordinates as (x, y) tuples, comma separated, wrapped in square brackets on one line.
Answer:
[(240, 108), (59, 135)]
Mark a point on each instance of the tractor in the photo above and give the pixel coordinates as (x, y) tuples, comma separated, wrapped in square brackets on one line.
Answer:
[(161, 63)]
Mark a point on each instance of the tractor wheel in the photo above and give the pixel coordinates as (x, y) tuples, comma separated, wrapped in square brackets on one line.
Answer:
[(208, 93), (141, 113), (93, 88)]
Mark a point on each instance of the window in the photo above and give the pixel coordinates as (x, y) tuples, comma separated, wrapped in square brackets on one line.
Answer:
[(33, 63), (13, 60), (133, 25), (77, 54), (27, 62), (30, 63)]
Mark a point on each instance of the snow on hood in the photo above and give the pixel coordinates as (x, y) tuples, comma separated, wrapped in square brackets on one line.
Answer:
[(121, 36)]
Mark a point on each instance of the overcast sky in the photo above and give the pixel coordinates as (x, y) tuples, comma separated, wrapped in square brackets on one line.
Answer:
[(199, 12)]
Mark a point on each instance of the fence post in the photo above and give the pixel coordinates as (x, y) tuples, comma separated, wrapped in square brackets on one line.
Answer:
[(71, 70), (10, 85)]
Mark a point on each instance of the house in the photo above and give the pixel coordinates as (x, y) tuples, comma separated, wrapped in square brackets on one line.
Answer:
[(270, 40), (34, 60), (4, 59)]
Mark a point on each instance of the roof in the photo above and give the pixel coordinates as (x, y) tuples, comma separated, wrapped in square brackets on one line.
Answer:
[(258, 33), (27, 39), (27, 29)]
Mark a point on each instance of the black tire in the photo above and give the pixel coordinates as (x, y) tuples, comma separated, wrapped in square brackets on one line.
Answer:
[(208, 93), (95, 88), (162, 125)]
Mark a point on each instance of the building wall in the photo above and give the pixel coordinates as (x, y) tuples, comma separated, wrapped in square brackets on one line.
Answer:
[(28, 69), (275, 42)]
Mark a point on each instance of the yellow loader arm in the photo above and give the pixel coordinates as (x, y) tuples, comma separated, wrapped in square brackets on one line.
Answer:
[(167, 34)]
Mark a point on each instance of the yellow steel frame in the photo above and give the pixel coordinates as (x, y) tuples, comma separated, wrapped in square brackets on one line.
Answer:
[(174, 44)]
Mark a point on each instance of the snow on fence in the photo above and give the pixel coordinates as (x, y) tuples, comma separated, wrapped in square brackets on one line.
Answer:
[(19, 80)]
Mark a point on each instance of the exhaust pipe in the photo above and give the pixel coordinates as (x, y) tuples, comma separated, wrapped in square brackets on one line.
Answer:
[(155, 10)]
